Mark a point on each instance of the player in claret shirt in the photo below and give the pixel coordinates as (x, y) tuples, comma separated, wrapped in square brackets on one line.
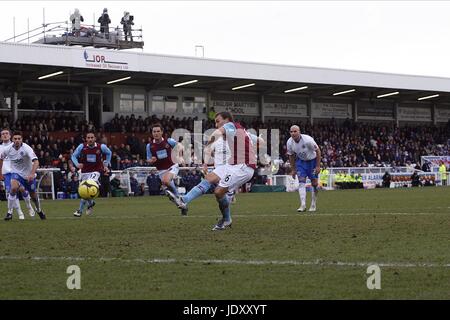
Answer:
[(237, 170), (89, 157), (160, 154)]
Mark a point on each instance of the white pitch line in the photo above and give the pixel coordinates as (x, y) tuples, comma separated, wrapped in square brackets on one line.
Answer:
[(294, 214), (317, 262)]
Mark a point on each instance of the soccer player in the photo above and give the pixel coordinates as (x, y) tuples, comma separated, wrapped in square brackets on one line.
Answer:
[(88, 157), (304, 157), (6, 171), (159, 154), (24, 164), (230, 176), (220, 151)]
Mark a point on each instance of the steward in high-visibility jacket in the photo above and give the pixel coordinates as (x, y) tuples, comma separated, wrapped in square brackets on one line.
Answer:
[(324, 174), (338, 179), (359, 181), (443, 172)]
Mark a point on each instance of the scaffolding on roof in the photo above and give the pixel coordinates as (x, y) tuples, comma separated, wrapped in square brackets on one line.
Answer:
[(58, 33)]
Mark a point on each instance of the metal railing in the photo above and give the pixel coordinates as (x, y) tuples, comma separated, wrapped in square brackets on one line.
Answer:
[(64, 29)]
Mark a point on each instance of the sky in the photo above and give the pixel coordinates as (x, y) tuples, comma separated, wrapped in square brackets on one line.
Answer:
[(407, 37)]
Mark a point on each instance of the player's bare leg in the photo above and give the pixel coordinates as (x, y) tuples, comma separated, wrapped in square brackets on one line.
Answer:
[(169, 184)]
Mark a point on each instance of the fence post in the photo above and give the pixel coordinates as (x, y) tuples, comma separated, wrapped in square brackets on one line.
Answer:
[(53, 185)]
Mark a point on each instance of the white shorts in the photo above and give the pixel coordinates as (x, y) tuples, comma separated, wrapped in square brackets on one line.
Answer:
[(173, 169), (220, 170), (90, 176), (234, 176)]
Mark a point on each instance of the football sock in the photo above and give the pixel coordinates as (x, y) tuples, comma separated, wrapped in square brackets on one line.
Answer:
[(174, 188), (314, 195), (224, 206), (197, 191), (37, 203), (27, 199), (11, 202), (17, 204), (302, 193), (82, 202)]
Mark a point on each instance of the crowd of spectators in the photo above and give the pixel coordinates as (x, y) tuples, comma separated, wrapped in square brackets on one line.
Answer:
[(345, 144), (349, 144), (40, 123), (415, 180), (126, 124), (50, 105)]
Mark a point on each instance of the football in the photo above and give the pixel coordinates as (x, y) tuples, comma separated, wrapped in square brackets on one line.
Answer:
[(88, 189)]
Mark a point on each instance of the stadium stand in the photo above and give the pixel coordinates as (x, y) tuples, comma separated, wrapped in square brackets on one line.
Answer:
[(349, 144), (359, 132)]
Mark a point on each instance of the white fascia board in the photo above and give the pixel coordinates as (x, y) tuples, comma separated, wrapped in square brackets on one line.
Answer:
[(135, 61)]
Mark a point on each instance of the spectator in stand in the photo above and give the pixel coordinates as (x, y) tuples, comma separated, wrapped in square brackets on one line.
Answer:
[(73, 187), (188, 180), (344, 145), (134, 185), (141, 190), (154, 184), (72, 172), (63, 185), (386, 179), (415, 180), (115, 184), (115, 161), (428, 181), (105, 184), (426, 166)]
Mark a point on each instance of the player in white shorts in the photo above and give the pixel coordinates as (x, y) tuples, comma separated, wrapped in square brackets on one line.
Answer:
[(221, 153), (229, 176)]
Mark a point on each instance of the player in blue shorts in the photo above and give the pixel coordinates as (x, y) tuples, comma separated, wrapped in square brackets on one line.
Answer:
[(304, 157), (6, 171), (24, 164)]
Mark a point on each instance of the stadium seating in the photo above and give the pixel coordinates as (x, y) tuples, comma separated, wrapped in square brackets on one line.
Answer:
[(54, 136)]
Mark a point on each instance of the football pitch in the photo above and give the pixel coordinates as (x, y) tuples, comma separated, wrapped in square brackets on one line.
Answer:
[(141, 248)]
